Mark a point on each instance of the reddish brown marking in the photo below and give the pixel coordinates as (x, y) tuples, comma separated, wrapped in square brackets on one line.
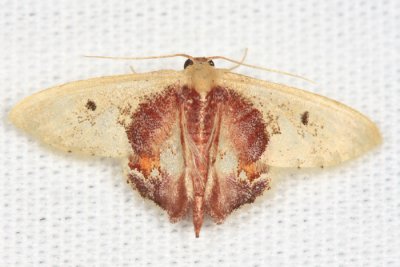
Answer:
[(248, 128), (200, 121), (152, 123), (166, 193), (229, 193)]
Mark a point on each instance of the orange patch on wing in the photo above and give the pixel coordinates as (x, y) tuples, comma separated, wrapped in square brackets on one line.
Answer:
[(250, 169), (145, 165)]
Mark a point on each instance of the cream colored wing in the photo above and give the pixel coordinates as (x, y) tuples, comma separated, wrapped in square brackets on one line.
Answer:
[(305, 129), (89, 116)]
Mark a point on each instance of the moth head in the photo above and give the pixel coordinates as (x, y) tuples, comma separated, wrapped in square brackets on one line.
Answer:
[(198, 61), (201, 74)]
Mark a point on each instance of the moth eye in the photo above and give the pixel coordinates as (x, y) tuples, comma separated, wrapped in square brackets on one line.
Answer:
[(188, 62), (211, 63)]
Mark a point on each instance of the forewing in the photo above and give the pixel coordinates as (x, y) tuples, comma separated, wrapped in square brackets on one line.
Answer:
[(305, 129), (91, 116)]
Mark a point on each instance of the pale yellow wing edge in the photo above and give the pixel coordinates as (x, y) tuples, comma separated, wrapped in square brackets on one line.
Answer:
[(290, 148)]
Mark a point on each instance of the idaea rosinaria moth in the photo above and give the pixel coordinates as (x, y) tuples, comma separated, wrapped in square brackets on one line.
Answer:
[(201, 139)]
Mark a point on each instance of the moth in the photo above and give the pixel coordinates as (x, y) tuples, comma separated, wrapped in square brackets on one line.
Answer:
[(200, 140)]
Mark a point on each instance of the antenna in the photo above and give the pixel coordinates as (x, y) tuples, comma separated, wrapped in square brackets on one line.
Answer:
[(239, 63), (140, 58)]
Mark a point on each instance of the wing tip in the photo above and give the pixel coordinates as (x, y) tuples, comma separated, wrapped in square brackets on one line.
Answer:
[(374, 133), (15, 115), (378, 137)]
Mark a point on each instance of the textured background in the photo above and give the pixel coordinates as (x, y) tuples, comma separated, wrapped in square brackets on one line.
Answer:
[(57, 210)]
